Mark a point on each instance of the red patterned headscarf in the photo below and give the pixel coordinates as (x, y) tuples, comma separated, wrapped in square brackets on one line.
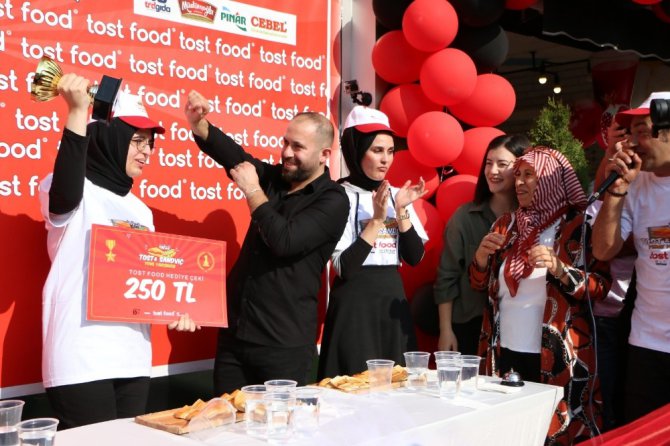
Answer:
[(557, 190)]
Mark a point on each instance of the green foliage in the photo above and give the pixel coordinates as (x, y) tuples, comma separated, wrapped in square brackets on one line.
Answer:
[(552, 129)]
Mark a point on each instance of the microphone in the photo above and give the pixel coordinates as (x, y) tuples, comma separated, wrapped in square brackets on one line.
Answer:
[(603, 187)]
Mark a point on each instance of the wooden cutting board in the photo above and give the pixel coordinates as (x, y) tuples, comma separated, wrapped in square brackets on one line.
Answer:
[(166, 421)]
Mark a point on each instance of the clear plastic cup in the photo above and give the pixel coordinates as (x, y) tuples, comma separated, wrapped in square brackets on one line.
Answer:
[(254, 410), (10, 417), (448, 377), (38, 431), (279, 407), (274, 385), (446, 354), (380, 372), (306, 412), (469, 373), (417, 368)]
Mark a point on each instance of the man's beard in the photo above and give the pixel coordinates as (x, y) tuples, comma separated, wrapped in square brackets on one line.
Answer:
[(297, 175)]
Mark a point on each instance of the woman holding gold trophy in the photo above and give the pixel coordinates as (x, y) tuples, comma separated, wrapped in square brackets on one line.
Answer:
[(93, 371)]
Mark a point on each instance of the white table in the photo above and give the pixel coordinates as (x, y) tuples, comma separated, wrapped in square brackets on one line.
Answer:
[(396, 418)]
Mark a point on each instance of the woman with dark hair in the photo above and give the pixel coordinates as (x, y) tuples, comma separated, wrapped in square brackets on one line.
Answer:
[(460, 307), (94, 371), (368, 314), (538, 320)]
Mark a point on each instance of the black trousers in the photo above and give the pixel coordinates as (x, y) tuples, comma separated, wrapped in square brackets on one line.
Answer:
[(647, 382), (467, 335), (527, 364), (92, 402), (239, 363)]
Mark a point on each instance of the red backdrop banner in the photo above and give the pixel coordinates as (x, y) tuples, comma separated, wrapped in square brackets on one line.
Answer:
[(258, 61)]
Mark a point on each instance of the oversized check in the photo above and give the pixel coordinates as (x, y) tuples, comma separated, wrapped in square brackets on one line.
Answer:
[(141, 276)]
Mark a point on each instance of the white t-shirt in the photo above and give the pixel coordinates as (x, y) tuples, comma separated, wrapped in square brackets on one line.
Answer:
[(385, 250), (521, 316), (75, 350), (646, 214), (621, 270)]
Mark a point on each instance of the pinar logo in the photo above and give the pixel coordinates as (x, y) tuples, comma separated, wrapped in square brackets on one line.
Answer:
[(197, 10), (157, 5), (236, 18)]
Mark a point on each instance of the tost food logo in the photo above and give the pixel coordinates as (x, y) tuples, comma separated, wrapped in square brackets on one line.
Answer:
[(163, 256), (235, 18), (197, 10)]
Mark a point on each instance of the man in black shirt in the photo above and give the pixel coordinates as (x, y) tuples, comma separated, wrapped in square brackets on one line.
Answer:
[(297, 216)]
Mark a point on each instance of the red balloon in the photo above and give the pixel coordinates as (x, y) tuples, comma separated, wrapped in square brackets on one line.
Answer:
[(519, 4), (475, 142), (660, 13), (448, 76), (453, 192), (646, 2), (490, 104), (403, 104), (435, 139), (430, 219), (405, 167), (585, 120), (430, 25), (395, 60)]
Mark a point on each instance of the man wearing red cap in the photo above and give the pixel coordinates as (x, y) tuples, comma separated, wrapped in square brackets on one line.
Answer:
[(638, 203)]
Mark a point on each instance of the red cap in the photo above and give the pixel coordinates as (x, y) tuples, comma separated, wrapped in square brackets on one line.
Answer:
[(130, 109), (624, 118), (367, 120)]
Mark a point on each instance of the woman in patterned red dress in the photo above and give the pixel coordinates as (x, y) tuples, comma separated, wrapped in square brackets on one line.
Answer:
[(538, 318)]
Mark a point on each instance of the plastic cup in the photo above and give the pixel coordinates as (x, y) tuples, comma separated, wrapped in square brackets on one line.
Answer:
[(417, 367), (446, 354), (306, 411), (278, 408), (10, 417), (448, 377), (380, 372), (38, 431), (274, 385), (254, 410), (469, 373)]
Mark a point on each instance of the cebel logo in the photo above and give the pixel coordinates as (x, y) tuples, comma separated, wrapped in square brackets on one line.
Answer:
[(157, 5)]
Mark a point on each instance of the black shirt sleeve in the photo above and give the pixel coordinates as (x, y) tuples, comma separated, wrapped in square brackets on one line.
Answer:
[(225, 151), (411, 247), (352, 258), (322, 221), (67, 185)]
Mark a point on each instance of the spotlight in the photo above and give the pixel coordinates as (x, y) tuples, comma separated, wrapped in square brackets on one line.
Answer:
[(557, 85), (542, 78)]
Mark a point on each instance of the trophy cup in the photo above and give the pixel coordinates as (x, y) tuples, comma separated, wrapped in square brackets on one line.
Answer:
[(102, 95)]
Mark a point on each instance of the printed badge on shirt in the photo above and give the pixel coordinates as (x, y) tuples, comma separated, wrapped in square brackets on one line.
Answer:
[(387, 238), (128, 224), (659, 244)]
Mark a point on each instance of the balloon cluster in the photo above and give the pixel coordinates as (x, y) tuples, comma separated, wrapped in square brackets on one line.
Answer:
[(439, 55)]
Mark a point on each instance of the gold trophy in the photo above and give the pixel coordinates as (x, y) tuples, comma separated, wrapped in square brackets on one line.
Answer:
[(45, 83)]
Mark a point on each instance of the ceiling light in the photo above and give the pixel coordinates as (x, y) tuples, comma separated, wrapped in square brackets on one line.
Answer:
[(557, 85)]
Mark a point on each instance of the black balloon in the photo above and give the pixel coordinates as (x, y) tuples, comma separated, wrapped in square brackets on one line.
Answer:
[(424, 310), (389, 12), (478, 12), (487, 46)]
